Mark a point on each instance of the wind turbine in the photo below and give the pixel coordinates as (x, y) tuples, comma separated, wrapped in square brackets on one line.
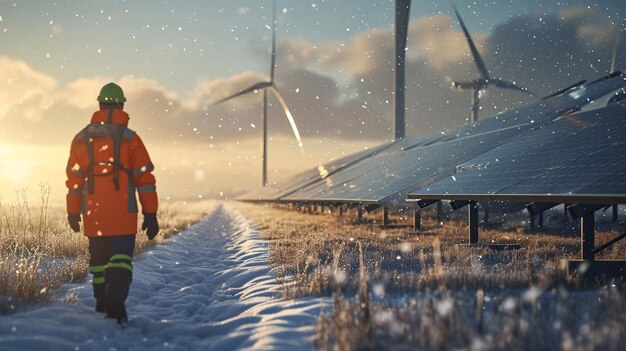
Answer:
[(403, 8), (477, 85), (620, 95), (265, 86)]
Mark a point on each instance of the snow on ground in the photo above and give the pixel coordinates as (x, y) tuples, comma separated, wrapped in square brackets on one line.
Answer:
[(207, 288)]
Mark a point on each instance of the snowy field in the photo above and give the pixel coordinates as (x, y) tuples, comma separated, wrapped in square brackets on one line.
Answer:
[(207, 288)]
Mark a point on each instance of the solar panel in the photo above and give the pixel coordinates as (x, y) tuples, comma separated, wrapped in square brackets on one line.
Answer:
[(384, 176), (272, 193), (577, 157), (388, 174)]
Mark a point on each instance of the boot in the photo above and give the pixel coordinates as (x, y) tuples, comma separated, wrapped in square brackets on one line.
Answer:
[(117, 285), (99, 294)]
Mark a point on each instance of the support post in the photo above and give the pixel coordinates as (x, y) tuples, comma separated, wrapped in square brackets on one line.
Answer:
[(531, 220), (587, 236), (359, 214), (486, 215), (264, 147), (540, 220), (615, 213), (385, 216), (340, 210), (439, 212), (417, 219), (474, 101), (472, 211)]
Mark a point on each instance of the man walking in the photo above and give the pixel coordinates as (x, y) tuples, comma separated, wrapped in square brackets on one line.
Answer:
[(108, 163)]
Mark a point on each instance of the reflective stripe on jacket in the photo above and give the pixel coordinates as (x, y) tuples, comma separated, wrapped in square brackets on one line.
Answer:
[(110, 210)]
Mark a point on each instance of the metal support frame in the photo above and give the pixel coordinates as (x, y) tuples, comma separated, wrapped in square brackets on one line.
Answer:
[(439, 212), (472, 211), (426, 203), (615, 213), (580, 210), (485, 215), (587, 236), (359, 214), (458, 204), (531, 221), (385, 216), (372, 207), (417, 219), (535, 208), (609, 243)]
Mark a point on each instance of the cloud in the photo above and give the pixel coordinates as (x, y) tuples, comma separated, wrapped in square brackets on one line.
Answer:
[(25, 91), (340, 90)]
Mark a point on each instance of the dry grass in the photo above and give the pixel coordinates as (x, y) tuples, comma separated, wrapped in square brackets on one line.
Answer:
[(396, 289), (39, 252)]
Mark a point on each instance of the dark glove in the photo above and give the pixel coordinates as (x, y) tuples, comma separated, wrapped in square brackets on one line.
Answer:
[(73, 219), (150, 222)]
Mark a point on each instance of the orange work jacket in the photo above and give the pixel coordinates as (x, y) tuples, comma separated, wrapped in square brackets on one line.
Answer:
[(107, 200)]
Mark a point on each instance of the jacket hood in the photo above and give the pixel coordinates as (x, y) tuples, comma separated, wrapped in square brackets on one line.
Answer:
[(115, 116)]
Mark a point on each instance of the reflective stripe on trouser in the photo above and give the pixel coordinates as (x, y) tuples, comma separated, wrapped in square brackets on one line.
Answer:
[(120, 261), (98, 274)]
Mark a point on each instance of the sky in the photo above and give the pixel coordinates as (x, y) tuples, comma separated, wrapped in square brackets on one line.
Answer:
[(334, 67)]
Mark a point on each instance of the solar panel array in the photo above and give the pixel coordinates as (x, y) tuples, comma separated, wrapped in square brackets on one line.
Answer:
[(387, 174), (578, 158)]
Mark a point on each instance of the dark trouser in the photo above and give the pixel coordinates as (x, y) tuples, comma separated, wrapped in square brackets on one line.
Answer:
[(111, 264)]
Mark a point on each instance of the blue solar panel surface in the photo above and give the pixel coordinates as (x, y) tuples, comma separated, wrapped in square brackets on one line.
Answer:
[(388, 174), (581, 155)]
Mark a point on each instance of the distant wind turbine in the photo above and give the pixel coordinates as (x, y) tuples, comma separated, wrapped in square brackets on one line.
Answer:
[(271, 85), (479, 84), (403, 8), (620, 95)]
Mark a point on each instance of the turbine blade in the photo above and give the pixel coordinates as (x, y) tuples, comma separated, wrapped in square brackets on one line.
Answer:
[(257, 86), (508, 85), (482, 68), (614, 50), (292, 121), (273, 41)]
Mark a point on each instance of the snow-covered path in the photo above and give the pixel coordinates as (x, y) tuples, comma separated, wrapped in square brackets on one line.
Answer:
[(208, 288)]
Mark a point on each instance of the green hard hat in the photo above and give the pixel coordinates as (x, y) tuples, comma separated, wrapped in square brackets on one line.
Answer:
[(111, 93)]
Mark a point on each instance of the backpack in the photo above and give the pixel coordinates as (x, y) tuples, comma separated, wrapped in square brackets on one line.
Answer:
[(106, 130)]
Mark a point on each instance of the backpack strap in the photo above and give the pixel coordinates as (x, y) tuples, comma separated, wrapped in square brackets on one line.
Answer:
[(110, 117), (89, 143), (117, 165)]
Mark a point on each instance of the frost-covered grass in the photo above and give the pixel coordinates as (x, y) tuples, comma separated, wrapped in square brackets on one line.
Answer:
[(39, 252), (396, 289)]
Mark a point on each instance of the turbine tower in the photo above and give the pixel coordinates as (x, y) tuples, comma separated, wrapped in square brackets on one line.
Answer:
[(477, 85), (265, 86), (403, 8)]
